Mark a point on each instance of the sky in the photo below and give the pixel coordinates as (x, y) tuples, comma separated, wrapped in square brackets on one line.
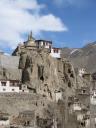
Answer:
[(68, 23)]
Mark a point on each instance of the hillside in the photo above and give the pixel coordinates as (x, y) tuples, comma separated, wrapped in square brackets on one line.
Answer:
[(82, 57), (9, 67)]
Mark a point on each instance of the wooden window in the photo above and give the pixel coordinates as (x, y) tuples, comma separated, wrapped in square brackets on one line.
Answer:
[(3, 83), (4, 89), (13, 90), (84, 91), (69, 84)]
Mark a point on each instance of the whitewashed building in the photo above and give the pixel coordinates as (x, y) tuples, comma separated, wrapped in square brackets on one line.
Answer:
[(24, 88), (9, 86), (56, 52), (4, 119), (77, 107), (81, 72), (93, 97), (80, 116)]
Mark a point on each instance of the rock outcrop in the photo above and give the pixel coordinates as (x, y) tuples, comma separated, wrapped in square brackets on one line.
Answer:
[(46, 74)]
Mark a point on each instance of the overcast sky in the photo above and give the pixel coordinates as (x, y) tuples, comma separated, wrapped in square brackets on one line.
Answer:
[(68, 23)]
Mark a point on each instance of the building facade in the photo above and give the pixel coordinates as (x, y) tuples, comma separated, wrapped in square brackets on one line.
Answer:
[(32, 44), (7, 86)]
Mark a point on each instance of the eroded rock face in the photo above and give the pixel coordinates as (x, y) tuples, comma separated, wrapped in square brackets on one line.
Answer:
[(47, 74), (46, 78), (50, 77)]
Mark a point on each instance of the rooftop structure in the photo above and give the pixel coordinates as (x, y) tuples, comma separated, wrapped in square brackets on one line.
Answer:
[(30, 42), (43, 44), (33, 44)]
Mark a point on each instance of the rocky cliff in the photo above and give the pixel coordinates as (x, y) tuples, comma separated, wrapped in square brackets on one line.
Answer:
[(46, 74)]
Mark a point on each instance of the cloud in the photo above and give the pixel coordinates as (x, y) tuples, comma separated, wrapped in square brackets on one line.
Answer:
[(21, 16)]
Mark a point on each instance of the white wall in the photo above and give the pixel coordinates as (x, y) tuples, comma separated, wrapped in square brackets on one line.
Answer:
[(2, 123), (47, 46)]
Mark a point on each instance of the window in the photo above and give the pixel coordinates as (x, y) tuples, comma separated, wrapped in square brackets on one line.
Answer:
[(28, 123), (13, 90), (13, 83), (40, 72), (4, 89), (69, 104), (24, 87), (69, 70), (72, 75), (36, 104), (47, 43), (69, 84), (83, 91), (55, 50), (3, 83)]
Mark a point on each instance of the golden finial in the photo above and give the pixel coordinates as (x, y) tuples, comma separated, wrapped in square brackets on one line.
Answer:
[(30, 36)]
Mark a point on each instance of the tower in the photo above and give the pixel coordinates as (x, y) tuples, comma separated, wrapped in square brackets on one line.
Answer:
[(30, 38), (31, 41)]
